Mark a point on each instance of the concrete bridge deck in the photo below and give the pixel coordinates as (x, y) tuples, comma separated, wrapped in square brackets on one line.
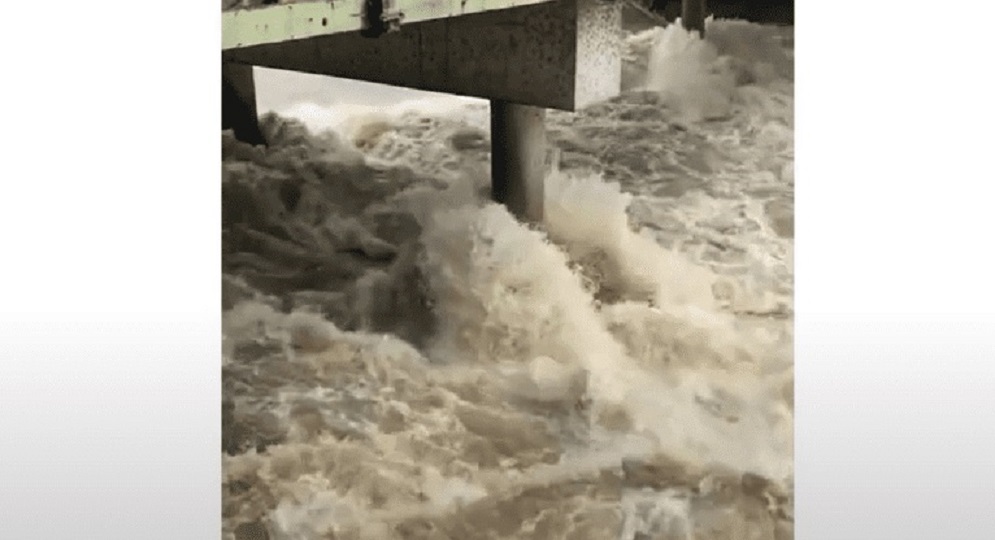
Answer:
[(523, 55), (561, 54), (276, 23)]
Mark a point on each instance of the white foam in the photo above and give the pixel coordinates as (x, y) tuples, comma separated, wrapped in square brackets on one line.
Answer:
[(518, 318)]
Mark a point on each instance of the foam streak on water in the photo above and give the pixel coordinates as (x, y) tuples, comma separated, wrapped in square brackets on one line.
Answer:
[(403, 359)]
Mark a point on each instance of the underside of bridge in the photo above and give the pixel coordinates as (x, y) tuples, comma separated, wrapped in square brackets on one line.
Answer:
[(561, 54)]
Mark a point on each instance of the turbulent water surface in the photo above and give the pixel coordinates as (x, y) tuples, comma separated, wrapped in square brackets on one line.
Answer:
[(404, 360)]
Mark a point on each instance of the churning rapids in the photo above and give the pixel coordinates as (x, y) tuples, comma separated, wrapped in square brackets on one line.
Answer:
[(404, 360)]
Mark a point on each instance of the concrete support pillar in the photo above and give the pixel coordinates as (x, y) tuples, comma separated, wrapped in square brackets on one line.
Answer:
[(693, 15), (238, 103), (518, 158)]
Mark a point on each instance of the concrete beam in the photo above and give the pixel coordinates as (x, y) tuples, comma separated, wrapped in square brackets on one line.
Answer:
[(518, 158), (238, 103), (562, 55), (693, 15), (277, 23)]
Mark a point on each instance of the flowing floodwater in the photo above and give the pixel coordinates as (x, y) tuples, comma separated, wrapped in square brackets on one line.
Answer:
[(404, 360)]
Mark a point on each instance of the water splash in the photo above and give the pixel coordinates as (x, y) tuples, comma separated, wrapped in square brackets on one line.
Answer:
[(403, 359)]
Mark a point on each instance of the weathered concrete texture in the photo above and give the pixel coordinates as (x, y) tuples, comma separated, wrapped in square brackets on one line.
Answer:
[(562, 55), (599, 52), (518, 165)]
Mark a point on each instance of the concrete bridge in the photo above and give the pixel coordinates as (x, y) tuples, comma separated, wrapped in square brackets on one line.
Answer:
[(523, 55)]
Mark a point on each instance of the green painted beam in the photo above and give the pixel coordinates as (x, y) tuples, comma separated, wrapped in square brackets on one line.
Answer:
[(289, 22)]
